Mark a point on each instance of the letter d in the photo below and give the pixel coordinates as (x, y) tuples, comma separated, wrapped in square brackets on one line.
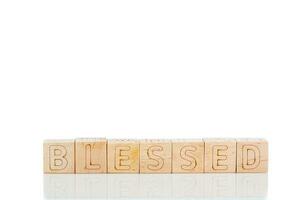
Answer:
[(251, 157)]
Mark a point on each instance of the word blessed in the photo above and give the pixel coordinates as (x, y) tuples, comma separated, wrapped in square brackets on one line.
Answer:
[(155, 156)]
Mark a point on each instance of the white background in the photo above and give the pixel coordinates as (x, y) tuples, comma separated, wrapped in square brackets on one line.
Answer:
[(147, 69)]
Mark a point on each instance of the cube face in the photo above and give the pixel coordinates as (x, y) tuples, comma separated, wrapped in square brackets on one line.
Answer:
[(220, 155), (91, 156), (252, 155), (155, 156), (59, 156), (123, 156), (188, 156)]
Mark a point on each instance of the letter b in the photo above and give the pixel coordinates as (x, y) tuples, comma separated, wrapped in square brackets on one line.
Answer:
[(59, 156)]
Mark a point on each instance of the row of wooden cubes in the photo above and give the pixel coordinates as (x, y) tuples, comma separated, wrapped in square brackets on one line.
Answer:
[(156, 156)]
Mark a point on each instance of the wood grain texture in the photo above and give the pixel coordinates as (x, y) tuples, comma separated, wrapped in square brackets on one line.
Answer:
[(98, 155), (91, 155), (252, 155), (155, 156), (220, 155), (188, 156), (123, 156), (59, 156)]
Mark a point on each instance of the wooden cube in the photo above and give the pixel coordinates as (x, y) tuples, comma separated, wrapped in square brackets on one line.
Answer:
[(155, 156), (252, 155), (123, 156), (188, 156), (59, 156), (91, 155), (220, 155)]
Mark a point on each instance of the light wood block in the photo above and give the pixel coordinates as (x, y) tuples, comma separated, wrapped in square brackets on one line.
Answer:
[(59, 156), (252, 155), (188, 156), (220, 155), (155, 156), (91, 156), (123, 156)]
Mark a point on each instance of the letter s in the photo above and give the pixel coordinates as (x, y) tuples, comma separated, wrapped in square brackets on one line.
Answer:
[(156, 158)]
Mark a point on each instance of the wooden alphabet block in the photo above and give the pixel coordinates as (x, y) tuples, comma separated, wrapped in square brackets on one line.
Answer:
[(220, 155), (252, 155), (91, 155), (155, 156), (123, 156), (59, 156), (188, 156)]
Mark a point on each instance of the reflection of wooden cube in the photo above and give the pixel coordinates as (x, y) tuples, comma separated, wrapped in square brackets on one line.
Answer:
[(155, 156), (91, 156), (59, 156), (252, 155), (123, 156), (156, 186), (123, 186), (188, 186), (220, 155), (91, 186), (251, 185), (59, 186), (219, 186), (188, 156)]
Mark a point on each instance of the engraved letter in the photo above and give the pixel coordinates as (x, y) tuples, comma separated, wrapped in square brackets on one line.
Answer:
[(184, 153), (88, 158), (219, 157), (57, 157), (122, 161), (152, 156), (251, 156)]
